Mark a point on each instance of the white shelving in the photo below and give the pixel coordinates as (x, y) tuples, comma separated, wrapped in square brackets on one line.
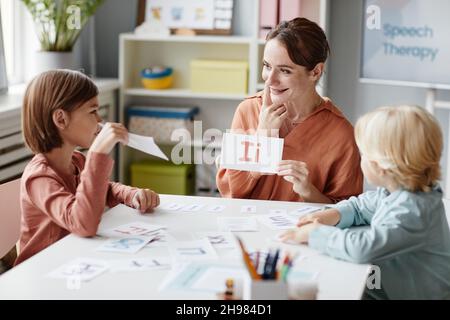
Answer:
[(137, 52), (181, 93)]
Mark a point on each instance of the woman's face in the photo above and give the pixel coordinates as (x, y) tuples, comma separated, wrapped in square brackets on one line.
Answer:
[(287, 81)]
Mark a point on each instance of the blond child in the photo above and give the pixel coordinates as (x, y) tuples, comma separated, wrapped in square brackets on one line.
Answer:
[(62, 191), (408, 237)]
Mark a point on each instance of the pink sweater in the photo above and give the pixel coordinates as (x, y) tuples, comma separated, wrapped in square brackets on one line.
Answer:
[(56, 204)]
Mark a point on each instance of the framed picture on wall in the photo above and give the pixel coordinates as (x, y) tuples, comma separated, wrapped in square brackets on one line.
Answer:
[(201, 16)]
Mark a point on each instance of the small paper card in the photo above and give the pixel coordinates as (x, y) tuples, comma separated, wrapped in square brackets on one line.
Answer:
[(145, 144), (251, 152), (140, 264), (82, 269), (248, 209), (304, 210), (278, 211), (216, 208), (130, 229), (173, 206), (131, 244), (160, 238), (224, 240), (278, 221), (192, 250), (192, 207), (237, 224)]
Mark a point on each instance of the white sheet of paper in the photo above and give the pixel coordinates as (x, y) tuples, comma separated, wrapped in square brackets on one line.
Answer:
[(216, 208), (278, 211), (218, 239), (192, 250), (82, 269), (237, 224), (131, 244), (303, 210), (204, 277), (160, 238), (248, 209), (145, 144), (173, 206), (251, 152), (192, 207), (278, 221), (140, 264), (130, 229)]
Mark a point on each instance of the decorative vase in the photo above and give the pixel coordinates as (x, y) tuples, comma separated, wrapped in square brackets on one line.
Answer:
[(49, 60)]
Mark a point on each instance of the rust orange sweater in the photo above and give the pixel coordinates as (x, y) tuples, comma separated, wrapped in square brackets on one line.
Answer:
[(324, 141), (54, 205)]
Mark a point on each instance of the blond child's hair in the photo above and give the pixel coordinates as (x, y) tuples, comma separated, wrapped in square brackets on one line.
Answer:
[(47, 92), (404, 140)]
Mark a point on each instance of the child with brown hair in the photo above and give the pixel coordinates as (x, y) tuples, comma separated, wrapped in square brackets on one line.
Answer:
[(62, 191)]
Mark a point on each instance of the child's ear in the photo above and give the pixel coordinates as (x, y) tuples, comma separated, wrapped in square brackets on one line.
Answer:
[(378, 170), (60, 119), (316, 73)]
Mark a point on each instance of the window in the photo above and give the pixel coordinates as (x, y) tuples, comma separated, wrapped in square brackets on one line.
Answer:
[(11, 16)]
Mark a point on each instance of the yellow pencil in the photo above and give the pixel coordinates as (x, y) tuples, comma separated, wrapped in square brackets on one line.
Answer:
[(248, 262)]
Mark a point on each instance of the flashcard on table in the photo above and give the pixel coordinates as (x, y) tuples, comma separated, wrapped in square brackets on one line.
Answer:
[(192, 250), (192, 207), (173, 206), (251, 152), (131, 244), (160, 238), (82, 269), (278, 211), (304, 210), (278, 221), (248, 209), (237, 224), (223, 240), (216, 208), (130, 229), (140, 264)]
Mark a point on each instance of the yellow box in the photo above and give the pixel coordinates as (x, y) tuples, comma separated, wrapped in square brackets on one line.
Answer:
[(219, 76)]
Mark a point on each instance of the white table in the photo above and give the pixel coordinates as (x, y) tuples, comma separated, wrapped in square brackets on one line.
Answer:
[(336, 279)]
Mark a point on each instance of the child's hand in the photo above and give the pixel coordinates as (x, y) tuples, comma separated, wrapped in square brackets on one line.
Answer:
[(329, 217), (299, 235), (109, 135), (145, 200)]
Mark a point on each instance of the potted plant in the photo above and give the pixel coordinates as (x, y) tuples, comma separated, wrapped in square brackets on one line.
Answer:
[(58, 26)]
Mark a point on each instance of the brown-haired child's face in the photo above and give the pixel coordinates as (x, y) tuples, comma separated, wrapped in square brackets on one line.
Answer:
[(83, 125)]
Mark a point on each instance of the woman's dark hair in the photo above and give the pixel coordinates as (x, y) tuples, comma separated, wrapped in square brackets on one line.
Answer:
[(304, 40)]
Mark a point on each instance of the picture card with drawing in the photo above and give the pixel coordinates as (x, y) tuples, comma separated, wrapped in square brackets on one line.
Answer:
[(159, 238), (131, 244), (278, 221), (192, 250), (219, 239), (130, 229), (83, 269), (251, 152)]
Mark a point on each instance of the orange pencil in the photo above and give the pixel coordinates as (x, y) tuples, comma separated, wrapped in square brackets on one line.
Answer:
[(248, 262)]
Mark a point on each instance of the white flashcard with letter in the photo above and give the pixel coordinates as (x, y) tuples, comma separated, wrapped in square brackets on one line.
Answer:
[(251, 152)]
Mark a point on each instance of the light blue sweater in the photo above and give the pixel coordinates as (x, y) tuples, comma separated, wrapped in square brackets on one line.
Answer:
[(408, 238)]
